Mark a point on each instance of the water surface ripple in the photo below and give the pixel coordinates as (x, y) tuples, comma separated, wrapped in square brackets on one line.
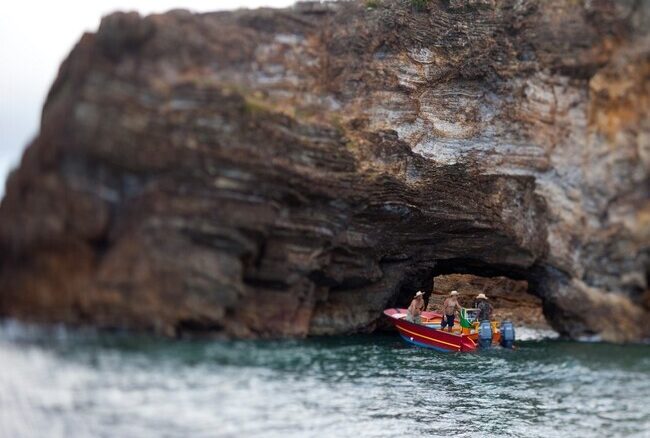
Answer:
[(60, 383)]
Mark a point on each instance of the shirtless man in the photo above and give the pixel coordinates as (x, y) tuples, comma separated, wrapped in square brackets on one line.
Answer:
[(414, 311), (449, 310)]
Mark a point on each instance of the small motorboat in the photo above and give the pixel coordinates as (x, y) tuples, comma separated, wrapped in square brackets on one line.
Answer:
[(468, 334)]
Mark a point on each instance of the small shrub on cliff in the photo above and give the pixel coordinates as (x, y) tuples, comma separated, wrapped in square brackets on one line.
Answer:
[(372, 4)]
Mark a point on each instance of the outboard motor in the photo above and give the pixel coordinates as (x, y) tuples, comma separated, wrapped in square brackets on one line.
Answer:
[(485, 334), (507, 334)]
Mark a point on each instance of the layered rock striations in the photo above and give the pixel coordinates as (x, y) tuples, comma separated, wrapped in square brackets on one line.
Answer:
[(293, 172)]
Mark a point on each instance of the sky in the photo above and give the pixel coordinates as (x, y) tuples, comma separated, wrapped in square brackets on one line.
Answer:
[(36, 35)]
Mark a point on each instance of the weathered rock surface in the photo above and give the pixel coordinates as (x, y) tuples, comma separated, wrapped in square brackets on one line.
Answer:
[(510, 298), (293, 172)]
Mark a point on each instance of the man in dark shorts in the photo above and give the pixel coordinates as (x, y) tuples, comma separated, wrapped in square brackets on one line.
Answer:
[(449, 310)]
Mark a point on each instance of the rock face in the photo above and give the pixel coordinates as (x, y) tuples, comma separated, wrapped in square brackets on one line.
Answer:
[(510, 298), (293, 172)]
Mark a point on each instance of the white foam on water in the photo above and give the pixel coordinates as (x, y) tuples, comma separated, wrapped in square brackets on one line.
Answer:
[(534, 334)]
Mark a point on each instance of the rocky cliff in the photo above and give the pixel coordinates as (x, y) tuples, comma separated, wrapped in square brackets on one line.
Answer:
[(293, 172), (510, 298)]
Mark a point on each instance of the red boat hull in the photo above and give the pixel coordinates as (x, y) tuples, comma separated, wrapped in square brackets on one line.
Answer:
[(428, 337)]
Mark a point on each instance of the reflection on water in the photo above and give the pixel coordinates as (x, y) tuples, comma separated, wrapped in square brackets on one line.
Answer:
[(75, 383)]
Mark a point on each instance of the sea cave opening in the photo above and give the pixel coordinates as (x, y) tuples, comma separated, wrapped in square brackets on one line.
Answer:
[(509, 288)]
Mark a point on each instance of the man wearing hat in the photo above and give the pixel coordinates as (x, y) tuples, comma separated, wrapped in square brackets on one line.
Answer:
[(449, 310), (415, 309), (484, 308)]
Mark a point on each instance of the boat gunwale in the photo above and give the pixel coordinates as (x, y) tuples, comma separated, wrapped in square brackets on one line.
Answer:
[(421, 326)]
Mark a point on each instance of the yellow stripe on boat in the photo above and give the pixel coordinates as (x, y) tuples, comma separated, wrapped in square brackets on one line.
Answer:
[(431, 339)]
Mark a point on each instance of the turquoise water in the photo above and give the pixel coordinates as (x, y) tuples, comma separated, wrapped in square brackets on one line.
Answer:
[(83, 384)]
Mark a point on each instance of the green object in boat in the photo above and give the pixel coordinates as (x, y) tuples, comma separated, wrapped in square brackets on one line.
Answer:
[(464, 321)]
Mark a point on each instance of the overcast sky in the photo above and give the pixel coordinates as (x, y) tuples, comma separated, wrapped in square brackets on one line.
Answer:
[(35, 36)]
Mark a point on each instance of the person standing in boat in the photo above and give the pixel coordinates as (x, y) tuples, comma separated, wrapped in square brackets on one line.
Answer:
[(449, 308), (414, 312), (484, 308)]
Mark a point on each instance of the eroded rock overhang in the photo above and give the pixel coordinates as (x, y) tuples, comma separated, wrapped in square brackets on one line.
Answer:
[(291, 172)]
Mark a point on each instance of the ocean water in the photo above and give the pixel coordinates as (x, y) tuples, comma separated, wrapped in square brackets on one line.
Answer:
[(57, 382)]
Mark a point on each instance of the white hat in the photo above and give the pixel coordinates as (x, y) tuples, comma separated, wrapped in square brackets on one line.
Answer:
[(419, 293), (481, 296), (453, 292)]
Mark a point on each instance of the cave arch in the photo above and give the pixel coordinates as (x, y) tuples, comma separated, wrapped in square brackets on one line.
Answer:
[(524, 304)]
